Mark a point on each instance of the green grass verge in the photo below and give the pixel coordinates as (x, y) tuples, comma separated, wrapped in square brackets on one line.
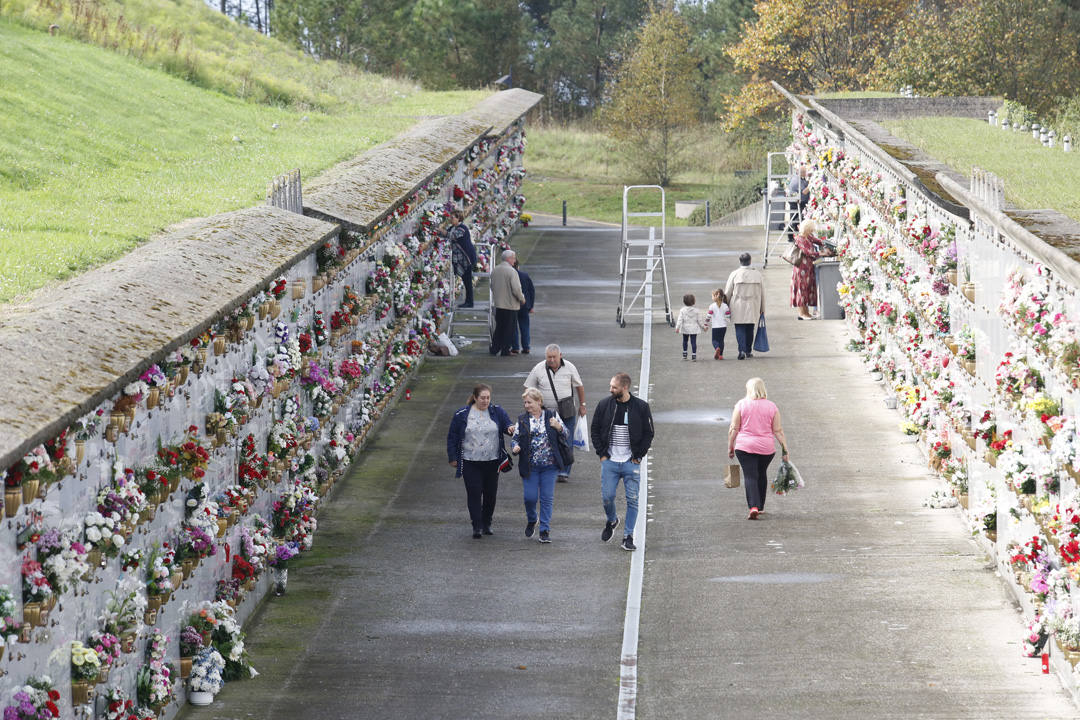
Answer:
[(1035, 176), (194, 42), (98, 152), (580, 166)]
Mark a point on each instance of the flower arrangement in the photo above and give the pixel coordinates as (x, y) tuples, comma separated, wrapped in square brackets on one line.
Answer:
[(118, 706), (1035, 638), (63, 560), (193, 456), (154, 680), (158, 571), (36, 700), (124, 609), (282, 554), (1017, 380), (228, 639), (206, 671), (85, 664), (35, 585), (195, 542), (228, 591), (107, 647), (277, 288), (256, 542), (191, 641)]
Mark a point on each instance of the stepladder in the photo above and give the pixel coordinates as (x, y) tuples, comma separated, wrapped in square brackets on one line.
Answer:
[(782, 209), (641, 256)]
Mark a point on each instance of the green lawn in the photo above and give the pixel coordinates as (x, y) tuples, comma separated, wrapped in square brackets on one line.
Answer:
[(579, 165), (98, 152), (1035, 176)]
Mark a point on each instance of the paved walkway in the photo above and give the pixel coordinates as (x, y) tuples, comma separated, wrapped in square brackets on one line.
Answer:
[(847, 600)]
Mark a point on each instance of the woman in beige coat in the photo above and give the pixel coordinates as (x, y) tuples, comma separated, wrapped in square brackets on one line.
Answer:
[(746, 298)]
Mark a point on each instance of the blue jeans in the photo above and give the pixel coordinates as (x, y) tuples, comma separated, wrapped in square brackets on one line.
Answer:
[(540, 482), (630, 474), (744, 335), (521, 331), (718, 338)]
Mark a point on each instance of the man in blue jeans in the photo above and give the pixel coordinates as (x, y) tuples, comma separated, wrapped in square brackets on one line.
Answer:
[(622, 431)]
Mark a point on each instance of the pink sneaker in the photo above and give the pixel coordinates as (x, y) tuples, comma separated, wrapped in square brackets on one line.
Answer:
[(753, 514)]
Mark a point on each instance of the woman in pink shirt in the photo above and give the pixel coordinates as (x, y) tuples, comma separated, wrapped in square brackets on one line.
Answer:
[(754, 424)]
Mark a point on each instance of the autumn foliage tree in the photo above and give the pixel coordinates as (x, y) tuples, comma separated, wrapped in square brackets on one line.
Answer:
[(1023, 50), (654, 100), (812, 45)]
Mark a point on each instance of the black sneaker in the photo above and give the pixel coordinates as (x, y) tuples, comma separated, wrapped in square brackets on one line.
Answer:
[(476, 535), (749, 355), (742, 355), (628, 543), (608, 529), (487, 530), (562, 478), (544, 538), (529, 529)]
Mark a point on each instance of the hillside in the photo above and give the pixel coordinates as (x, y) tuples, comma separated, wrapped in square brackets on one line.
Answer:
[(99, 151)]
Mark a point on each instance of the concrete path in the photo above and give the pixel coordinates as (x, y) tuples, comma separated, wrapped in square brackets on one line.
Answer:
[(847, 600)]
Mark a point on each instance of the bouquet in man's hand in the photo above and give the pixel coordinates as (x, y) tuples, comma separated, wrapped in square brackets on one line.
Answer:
[(787, 479)]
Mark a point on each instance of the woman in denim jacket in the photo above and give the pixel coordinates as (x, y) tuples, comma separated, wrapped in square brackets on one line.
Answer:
[(536, 443), (474, 445)]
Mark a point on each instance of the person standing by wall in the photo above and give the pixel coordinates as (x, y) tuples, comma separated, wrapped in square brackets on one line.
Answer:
[(474, 445), (463, 253), (803, 277), (507, 298), (521, 329), (536, 443), (745, 290), (799, 186), (754, 424), (622, 432), (558, 381)]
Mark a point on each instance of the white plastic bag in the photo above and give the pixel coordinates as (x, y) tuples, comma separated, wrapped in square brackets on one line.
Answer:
[(581, 433), (445, 341)]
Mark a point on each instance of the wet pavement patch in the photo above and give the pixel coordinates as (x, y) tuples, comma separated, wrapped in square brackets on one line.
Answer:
[(693, 417), (779, 578)]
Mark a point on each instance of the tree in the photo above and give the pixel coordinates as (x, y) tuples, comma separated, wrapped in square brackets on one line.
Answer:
[(1024, 50), (811, 45), (716, 26), (654, 100)]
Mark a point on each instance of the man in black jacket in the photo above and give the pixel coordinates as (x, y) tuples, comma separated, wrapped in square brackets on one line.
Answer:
[(622, 431)]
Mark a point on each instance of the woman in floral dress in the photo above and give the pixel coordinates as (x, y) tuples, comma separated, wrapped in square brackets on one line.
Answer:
[(803, 281)]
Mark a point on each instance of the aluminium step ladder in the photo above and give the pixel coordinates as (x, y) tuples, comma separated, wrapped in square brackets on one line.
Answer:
[(642, 256), (482, 314), (782, 213)]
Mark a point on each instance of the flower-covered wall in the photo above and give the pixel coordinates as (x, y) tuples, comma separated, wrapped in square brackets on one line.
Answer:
[(971, 324), (235, 368)]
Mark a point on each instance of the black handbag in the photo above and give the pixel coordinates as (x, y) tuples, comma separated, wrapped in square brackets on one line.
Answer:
[(566, 406), (566, 450)]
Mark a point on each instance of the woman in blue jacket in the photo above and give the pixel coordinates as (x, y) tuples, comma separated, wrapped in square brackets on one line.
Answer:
[(536, 443), (474, 445)]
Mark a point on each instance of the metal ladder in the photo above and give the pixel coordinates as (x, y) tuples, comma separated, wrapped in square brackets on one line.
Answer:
[(479, 307), (644, 264), (778, 219)]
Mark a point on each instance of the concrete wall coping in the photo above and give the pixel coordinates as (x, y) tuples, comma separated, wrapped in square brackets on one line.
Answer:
[(76, 344)]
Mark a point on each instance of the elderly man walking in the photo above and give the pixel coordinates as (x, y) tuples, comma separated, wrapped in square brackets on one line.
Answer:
[(558, 381), (746, 298), (507, 298)]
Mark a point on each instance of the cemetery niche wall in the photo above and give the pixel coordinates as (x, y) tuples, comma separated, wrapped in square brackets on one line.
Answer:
[(972, 325), (170, 422)]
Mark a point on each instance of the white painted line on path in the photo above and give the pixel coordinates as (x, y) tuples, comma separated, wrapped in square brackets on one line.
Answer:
[(628, 672)]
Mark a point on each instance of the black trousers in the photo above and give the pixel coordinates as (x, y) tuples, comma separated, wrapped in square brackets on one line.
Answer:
[(505, 324), (466, 280), (755, 470), (481, 488)]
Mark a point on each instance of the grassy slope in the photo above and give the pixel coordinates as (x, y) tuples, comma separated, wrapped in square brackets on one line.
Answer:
[(98, 152), (577, 165), (1035, 177)]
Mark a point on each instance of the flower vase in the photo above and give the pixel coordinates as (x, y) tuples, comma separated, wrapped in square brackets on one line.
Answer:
[(174, 484), (219, 346), (1073, 656), (970, 440), (991, 458), (968, 289), (32, 613), (129, 417), (963, 498), (298, 290), (80, 451), (185, 667), (182, 374), (1072, 473), (29, 490), (952, 276), (221, 436), (275, 309), (148, 514), (222, 526), (991, 535), (281, 580), (103, 675), (80, 692), (176, 578), (264, 309), (186, 567), (249, 584), (127, 641), (112, 433), (200, 699), (969, 365), (12, 501), (152, 397)]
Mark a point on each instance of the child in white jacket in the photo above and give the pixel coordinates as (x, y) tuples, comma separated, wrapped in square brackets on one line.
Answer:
[(718, 317), (690, 322)]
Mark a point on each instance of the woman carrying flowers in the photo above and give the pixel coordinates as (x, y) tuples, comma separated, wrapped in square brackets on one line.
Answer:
[(754, 424)]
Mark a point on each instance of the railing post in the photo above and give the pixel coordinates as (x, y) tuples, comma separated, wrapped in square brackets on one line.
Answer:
[(564, 213), (708, 217)]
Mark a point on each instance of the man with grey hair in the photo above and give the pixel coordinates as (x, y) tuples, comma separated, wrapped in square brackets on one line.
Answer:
[(745, 291), (558, 381), (507, 299)]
